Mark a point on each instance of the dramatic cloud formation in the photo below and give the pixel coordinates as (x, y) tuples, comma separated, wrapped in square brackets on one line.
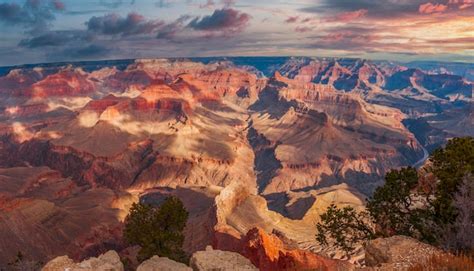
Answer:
[(34, 15), (226, 19), (54, 30), (113, 24)]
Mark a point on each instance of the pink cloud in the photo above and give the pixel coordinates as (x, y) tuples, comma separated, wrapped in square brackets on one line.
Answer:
[(429, 8), (348, 16), (462, 4), (346, 39), (292, 19), (302, 29)]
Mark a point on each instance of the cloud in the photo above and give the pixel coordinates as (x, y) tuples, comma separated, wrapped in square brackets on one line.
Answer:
[(165, 3), (292, 19), (114, 3), (446, 6), (462, 4), (81, 51), (208, 4), (169, 31), (226, 19), (115, 25), (375, 9), (429, 8), (228, 3), (348, 16), (92, 50), (35, 15), (55, 38), (12, 13), (390, 9), (303, 29), (344, 40)]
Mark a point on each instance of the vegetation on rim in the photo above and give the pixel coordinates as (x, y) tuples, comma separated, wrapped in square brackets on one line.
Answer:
[(435, 206), (158, 231)]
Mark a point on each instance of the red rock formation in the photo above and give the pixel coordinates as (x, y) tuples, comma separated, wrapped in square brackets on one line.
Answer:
[(64, 83), (16, 81), (26, 110), (100, 105), (177, 106), (269, 252), (43, 215), (122, 80), (115, 172)]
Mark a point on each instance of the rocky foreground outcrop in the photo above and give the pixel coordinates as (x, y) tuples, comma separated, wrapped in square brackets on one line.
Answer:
[(269, 252), (218, 260), (209, 260), (109, 261), (397, 253), (262, 251), (162, 264)]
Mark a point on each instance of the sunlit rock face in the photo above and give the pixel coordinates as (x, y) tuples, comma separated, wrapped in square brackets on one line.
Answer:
[(320, 135), (250, 150)]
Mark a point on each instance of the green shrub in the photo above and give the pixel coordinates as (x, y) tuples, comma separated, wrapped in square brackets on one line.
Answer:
[(450, 165), (158, 231), (343, 228)]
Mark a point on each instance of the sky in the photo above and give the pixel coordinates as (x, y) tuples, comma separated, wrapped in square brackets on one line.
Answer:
[(35, 31)]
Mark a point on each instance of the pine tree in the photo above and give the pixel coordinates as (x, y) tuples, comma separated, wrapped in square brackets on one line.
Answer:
[(158, 231)]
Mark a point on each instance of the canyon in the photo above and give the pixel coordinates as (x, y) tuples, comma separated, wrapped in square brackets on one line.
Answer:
[(256, 150)]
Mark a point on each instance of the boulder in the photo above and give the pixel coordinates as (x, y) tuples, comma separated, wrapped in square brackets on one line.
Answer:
[(269, 252), (397, 253), (217, 260), (59, 264), (109, 261), (162, 264)]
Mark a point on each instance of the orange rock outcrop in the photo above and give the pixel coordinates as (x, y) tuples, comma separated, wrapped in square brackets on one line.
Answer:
[(269, 252)]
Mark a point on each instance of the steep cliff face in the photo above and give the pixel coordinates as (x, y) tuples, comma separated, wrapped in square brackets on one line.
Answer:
[(324, 136), (43, 214), (342, 74), (64, 83)]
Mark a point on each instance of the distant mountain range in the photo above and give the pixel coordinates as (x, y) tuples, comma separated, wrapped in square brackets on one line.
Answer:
[(266, 65)]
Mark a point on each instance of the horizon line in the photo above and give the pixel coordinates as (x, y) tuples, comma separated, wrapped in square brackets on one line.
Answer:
[(237, 56)]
